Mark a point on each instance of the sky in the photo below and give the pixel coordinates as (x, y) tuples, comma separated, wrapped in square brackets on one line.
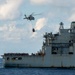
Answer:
[(16, 34)]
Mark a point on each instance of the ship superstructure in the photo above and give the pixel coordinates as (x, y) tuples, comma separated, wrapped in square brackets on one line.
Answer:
[(58, 50)]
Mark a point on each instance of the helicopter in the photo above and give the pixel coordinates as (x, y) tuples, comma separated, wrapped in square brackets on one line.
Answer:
[(30, 17)]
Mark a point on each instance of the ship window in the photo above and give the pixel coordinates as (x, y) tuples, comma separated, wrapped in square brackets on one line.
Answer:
[(7, 58), (70, 52), (54, 50), (20, 58), (14, 58), (74, 27)]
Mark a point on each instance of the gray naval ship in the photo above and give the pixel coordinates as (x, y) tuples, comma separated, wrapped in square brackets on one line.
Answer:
[(58, 50)]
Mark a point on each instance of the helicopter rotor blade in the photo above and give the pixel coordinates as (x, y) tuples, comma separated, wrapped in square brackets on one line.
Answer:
[(32, 13)]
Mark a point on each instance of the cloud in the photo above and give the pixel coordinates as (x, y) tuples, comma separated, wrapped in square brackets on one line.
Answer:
[(40, 1), (9, 9), (54, 28), (40, 23), (34, 35), (72, 17), (3, 28), (11, 32), (66, 3), (38, 26)]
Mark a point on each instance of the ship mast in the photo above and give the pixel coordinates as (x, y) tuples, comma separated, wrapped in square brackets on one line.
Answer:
[(61, 25)]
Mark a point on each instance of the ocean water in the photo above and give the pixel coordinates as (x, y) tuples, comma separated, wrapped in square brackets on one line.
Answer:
[(34, 71)]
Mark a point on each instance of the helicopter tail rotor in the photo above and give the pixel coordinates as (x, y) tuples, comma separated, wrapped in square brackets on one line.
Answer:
[(25, 17)]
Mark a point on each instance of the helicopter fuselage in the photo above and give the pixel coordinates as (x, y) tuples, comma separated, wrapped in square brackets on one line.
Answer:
[(30, 17)]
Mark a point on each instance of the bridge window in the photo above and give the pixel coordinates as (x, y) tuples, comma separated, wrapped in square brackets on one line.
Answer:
[(20, 58), (7, 58), (14, 58)]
